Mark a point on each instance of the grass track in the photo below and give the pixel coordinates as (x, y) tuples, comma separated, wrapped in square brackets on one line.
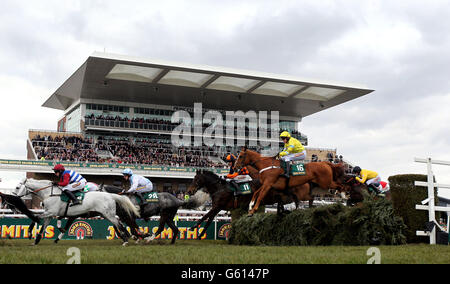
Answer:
[(210, 252)]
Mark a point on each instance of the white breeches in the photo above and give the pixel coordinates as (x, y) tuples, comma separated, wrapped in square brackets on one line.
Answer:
[(76, 186), (142, 189), (376, 179), (294, 157)]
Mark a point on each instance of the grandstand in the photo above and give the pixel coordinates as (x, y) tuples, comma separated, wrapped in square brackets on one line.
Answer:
[(118, 113)]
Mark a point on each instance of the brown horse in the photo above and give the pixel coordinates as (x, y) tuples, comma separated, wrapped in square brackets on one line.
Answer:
[(357, 190), (326, 175), (296, 194), (223, 198)]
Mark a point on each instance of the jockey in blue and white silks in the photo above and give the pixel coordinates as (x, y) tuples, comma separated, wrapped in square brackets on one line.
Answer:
[(139, 184), (70, 181)]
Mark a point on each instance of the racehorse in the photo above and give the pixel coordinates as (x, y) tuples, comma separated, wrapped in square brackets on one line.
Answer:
[(325, 174), (100, 203), (223, 198), (167, 207), (356, 191)]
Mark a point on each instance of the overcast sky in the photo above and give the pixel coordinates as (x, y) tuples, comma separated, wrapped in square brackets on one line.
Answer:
[(401, 49)]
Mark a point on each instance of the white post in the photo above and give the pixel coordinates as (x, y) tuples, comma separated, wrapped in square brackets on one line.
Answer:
[(215, 228), (431, 213), (448, 223)]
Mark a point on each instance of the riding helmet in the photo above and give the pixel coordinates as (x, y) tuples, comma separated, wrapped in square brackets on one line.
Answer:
[(285, 134), (231, 158), (127, 172), (356, 170), (59, 168)]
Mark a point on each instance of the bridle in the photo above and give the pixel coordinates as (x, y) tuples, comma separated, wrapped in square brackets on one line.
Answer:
[(31, 191), (253, 164)]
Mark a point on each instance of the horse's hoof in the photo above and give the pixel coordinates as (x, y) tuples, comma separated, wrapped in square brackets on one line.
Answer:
[(250, 215), (125, 244), (149, 239)]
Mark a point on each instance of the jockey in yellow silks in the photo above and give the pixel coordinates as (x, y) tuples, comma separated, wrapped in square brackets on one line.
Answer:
[(293, 150), (370, 178)]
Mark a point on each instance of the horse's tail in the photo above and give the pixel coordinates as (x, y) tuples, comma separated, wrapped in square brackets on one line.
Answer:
[(197, 200), (126, 204)]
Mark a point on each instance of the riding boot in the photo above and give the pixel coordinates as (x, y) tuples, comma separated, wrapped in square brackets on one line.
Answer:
[(288, 170), (72, 197), (143, 201), (236, 187), (374, 188)]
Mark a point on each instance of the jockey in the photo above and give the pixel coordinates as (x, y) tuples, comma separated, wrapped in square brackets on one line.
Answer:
[(70, 181), (370, 178), (293, 151), (139, 184), (233, 176)]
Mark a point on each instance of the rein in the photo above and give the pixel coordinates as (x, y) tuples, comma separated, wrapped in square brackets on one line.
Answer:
[(31, 191), (253, 164)]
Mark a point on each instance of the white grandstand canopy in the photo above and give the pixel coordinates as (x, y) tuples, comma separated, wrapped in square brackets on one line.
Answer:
[(123, 78)]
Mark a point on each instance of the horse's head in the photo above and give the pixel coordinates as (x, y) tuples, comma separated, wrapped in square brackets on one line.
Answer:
[(197, 183), (243, 159), (346, 185), (20, 189), (203, 179), (351, 185)]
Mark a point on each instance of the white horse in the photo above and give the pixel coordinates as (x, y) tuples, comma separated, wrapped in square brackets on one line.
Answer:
[(101, 203)]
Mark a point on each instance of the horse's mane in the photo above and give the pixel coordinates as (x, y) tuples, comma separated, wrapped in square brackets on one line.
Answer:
[(210, 175), (338, 170), (39, 181)]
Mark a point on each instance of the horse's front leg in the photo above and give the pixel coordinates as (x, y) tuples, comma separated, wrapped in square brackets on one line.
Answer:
[(254, 197), (213, 214), (199, 222), (30, 229), (263, 192), (41, 232)]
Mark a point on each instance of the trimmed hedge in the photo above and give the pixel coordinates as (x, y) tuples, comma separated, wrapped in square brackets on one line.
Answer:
[(405, 196), (372, 223)]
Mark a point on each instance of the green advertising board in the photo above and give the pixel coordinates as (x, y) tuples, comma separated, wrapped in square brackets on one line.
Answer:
[(99, 229), (155, 168)]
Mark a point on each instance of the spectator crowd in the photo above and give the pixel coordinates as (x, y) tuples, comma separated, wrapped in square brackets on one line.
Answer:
[(126, 150)]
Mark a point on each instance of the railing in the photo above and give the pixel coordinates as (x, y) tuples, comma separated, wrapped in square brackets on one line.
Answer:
[(431, 208)]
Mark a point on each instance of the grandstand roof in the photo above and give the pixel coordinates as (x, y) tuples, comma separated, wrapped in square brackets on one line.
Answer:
[(122, 78)]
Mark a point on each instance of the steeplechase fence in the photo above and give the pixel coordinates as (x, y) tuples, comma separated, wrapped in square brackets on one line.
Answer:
[(429, 203)]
